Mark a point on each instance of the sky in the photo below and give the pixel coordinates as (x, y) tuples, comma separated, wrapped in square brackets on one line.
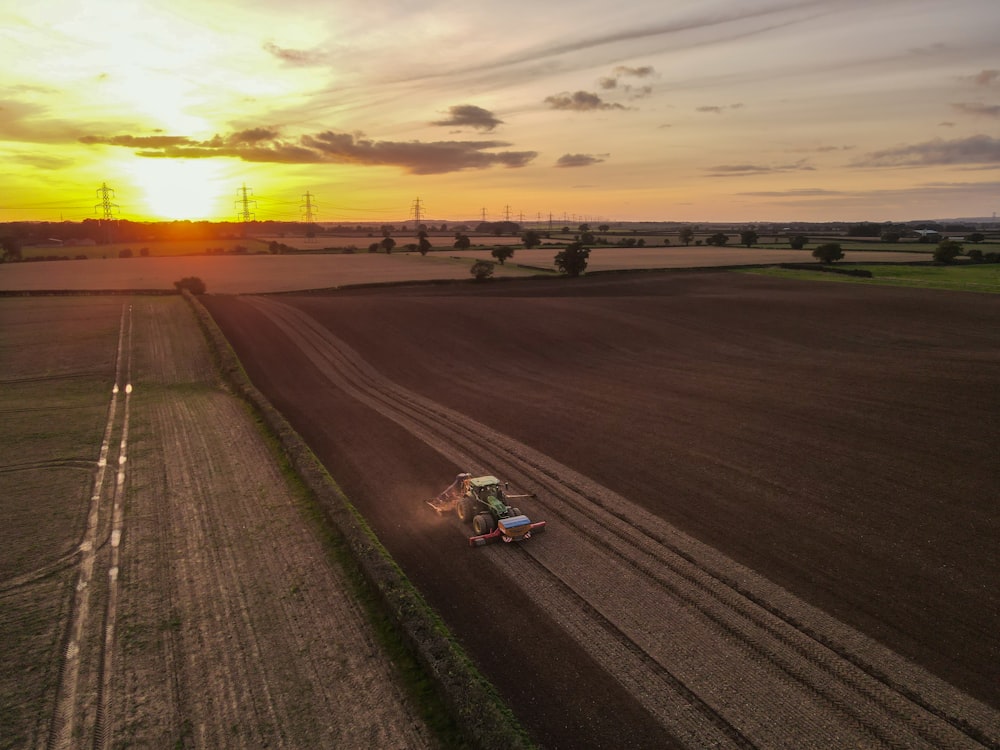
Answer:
[(574, 110)]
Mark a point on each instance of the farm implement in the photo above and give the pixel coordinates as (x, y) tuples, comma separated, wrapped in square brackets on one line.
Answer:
[(484, 502)]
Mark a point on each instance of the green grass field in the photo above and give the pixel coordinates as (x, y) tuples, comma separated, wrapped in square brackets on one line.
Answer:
[(966, 277)]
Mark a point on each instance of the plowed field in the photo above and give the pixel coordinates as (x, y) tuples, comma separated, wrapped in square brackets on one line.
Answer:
[(771, 505)]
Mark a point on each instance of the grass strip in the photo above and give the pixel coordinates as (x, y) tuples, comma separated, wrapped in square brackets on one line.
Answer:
[(965, 277)]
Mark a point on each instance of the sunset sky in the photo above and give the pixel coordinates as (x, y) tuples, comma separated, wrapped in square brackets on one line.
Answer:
[(672, 110)]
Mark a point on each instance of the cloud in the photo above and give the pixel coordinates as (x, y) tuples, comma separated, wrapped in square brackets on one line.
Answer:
[(797, 193), (472, 116), (265, 145), (717, 109), (976, 149), (980, 110), (746, 170), (621, 71), (820, 149), (580, 101), (640, 72), (986, 77), (579, 160), (295, 57), (414, 156)]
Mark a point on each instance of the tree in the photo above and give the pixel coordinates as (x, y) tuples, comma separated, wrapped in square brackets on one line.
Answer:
[(686, 235), (587, 238), (482, 269), (585, 227), (947, 251), (975, 255), (387, 244), (572, 261), (502, 253), (531, 239), (11, 249), (603, 228), (462, 242), (192, 284), (748, 237), (718, 239), (976, 237), (373, 248), (424, 245), (798, 241), (422, 233), (892, 237), (828, 252)]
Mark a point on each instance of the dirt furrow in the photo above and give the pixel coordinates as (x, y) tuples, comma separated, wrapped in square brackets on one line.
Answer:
[(745, 651)]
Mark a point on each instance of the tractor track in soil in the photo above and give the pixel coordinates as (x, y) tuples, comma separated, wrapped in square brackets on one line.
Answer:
[(716, 654)]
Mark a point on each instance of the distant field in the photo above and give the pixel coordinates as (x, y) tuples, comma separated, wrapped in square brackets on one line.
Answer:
[(169, 248), (983, 277), (238, 274)]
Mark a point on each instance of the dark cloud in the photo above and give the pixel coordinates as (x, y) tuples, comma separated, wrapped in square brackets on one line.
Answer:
[(578, 160), (294, 57), (580, 101), (980, 110), (745, 170), (266, 145), (976, 149), (469, 115), (608, 83), (417, 158)]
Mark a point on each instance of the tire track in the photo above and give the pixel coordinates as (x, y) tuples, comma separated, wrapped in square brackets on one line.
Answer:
[(102, 726), (738, 661), (65, 719)]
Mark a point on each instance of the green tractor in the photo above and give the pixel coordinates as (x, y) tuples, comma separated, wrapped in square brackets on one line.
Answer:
[(483, 501)]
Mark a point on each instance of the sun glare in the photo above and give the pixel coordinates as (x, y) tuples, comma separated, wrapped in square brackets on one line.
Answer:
[(179, 189)]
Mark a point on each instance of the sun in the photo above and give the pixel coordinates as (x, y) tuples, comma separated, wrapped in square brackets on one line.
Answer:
[(178, 189)]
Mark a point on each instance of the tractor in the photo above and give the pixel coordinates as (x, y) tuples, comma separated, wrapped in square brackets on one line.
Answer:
[(483, 501)]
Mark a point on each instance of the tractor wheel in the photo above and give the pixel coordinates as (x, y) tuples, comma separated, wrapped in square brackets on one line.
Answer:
[(515, 511), (483, 524), (464, 508)]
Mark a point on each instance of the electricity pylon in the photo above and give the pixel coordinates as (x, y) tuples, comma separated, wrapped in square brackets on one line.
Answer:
[(108, 209), (243, 203), (416, 210), (307, 208)]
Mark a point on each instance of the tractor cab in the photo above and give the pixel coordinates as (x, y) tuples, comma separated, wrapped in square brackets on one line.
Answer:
[(487, 490)]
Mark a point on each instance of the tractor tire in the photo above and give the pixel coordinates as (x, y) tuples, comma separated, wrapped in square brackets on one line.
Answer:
[(515, 511), (483, 524), (464, 509)]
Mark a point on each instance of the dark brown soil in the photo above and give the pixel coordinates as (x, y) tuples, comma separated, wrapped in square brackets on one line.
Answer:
[(839, 441)]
